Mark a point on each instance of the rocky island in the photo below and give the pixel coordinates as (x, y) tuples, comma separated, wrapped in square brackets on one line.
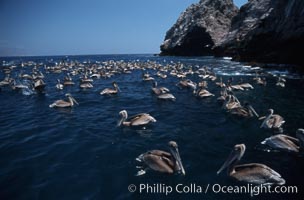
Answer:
[(260, 31)]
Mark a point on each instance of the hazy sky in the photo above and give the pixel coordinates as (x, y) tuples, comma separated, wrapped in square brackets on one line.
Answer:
[(69, 27)]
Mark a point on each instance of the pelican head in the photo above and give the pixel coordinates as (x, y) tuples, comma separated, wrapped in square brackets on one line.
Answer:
[(124, 116), (116, 86), (247, 105), (175, 153), (235, 156), (270, 111), (71, 98)]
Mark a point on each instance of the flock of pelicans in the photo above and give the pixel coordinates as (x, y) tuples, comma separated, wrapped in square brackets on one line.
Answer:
[(158, 160)]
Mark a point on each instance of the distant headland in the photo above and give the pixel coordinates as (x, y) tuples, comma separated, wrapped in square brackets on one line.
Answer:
[(269, 31)]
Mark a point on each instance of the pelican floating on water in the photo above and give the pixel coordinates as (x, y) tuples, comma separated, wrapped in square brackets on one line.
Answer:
[(137, 120), (254, 173), (272, 121), (110, 91), (85, 85), (282, 142), (202, 92), (231, 102), (64, 104), (162, 161), (59, 86), (166, 96), (159, 90), (186, 84), (287, 143), (244, 111)]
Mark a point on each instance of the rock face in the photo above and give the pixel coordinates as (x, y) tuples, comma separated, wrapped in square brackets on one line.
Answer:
[(266, 31), (261, 31), (199, 28)]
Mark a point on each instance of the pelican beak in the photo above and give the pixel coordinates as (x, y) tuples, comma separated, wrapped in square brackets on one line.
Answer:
[(234, 156), (254, 112), (75, 100), (121, 113), (175, 154), (118, 89), (119, 122)]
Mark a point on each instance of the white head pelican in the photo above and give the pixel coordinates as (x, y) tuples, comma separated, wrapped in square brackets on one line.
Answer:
[(254, 173), (162, 161), (137, 120), (110, 91), (64, 104)]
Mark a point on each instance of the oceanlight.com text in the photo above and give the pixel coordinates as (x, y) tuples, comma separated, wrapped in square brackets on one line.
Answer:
[(253, 190)]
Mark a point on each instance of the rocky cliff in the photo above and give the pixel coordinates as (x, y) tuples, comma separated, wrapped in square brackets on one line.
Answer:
[(267, 31), (262, 31), (199, 28)]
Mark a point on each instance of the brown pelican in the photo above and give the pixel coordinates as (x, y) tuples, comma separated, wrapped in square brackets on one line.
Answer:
[(159, 74), (202, 92), (187, 84), (85, 79), (254, 173), (64, 104), (59, 86), (147, 77), (110, 91), (137, 120), (223, 96), (246, 86), (282, 142), (261, 81), (281, 82), (18, 86), (68, 80), (162, 161), (244, 111), (39, 85), (286, 143), (85, 85), (6, 81), (231, 102), (159, 90), (272, 121), (221, 84), (166, 96)]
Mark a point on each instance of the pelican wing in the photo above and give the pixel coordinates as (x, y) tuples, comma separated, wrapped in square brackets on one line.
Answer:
[(282, 142), (159, 161), (142, 119), (166, 96), (257, 173), (240, 111), (164, 90), (61, 104), (108, 91), (278, 121)]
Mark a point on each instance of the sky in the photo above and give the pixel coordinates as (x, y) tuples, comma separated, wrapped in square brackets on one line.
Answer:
[(81, 27)]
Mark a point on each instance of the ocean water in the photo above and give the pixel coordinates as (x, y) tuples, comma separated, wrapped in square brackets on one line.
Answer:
[(80, 153)]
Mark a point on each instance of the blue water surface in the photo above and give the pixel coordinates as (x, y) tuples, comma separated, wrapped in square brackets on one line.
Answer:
[(79, 153)]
